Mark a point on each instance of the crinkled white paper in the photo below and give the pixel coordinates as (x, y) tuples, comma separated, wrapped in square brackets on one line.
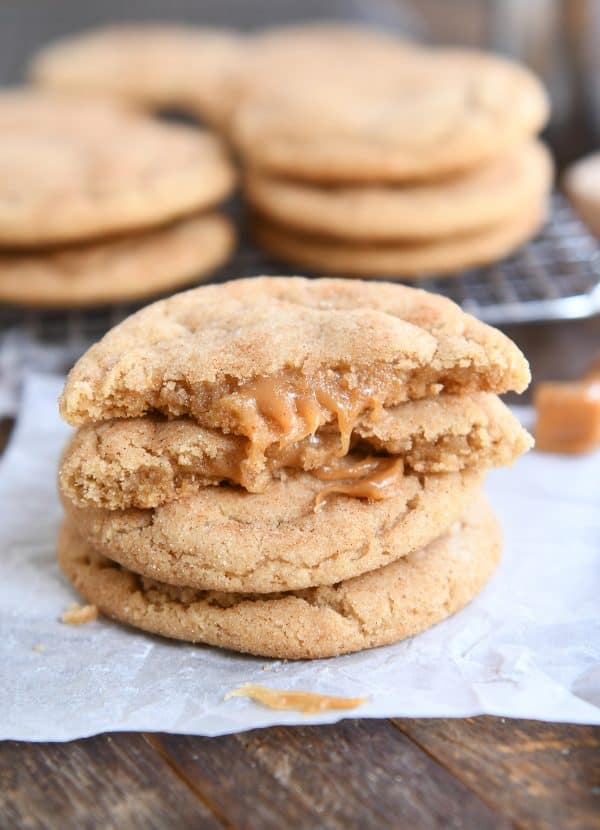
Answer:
[(528, 647)]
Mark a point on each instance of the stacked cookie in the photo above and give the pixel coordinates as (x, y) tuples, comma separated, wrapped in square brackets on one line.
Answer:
[(100, 204), (197, 70), (287, 467), (397, 162), (155, 66), (365, 154)]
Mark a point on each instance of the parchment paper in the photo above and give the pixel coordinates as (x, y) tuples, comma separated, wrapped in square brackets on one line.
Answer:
[(528, 647)]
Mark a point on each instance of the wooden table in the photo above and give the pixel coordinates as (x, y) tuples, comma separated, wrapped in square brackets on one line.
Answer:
[(474, 773)]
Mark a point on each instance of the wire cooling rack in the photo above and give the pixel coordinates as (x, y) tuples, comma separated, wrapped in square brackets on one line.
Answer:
[(556, 276)]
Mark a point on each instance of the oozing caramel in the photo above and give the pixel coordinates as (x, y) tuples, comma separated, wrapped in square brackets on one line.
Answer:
[(308, 702), (373, 477), (351, 467), (231, 464), (366, 478), (286, 408)]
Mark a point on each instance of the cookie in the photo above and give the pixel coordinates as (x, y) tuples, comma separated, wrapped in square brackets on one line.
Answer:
[(421, 114), (294, 49), (582, 185), (275, 359), (397, 260), (146, 462), (397, 601), (118, 269), (335, 39), (225, 539), (154, 65), (480, 198), (71, 169)]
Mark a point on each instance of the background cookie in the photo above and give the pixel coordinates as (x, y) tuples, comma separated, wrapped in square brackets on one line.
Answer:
[(582, 184), (155, 65), (423, 114), (381, 607), (223, 538), (190, 354), (281, 52), (276, 47), (118, 269), (71, 169), (479, 198), (443, 255)]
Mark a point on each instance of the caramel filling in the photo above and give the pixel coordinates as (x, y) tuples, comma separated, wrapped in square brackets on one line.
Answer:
[(232, 464), (315, 451), (366, 478), (286, 408), (307, 702)]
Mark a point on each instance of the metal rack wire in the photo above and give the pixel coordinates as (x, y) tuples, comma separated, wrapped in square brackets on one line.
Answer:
[(556, 276)]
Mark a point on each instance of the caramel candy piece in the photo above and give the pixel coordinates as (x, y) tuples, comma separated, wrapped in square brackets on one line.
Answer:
[(307, 702), (227, 355), (593, 372), (568, 415)]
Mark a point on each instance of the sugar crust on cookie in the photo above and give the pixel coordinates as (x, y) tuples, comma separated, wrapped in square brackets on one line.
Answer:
[(195, 353), (76, 168), (377, 608), (223, 538), (118, 269)]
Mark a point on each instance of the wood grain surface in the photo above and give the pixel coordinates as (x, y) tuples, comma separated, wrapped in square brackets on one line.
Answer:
[(475, 773)]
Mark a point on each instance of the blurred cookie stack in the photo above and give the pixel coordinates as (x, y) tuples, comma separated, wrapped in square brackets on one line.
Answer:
[(397, 161), (363, 154), (99, 203), (153, 66), (288, 467)]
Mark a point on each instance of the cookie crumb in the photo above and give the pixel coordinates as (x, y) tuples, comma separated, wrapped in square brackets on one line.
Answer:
[(39, 647), (77, 614)]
